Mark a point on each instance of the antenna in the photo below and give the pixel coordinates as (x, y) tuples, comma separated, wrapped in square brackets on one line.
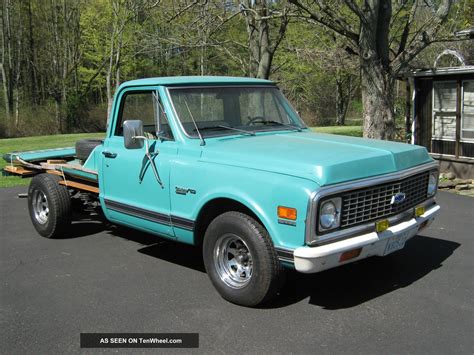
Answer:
[(203, 142)]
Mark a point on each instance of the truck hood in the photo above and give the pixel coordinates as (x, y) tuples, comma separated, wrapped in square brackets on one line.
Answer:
[(324, 158)]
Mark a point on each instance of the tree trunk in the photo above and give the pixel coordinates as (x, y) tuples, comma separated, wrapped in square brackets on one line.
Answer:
[(17, 108), (116, 38), (5, 93), (340, 104), (377, 82), (109, 78), (3, 64), (202, 35), (2, 68), (377, 98), (261, 47), (57, 107), (31, 57), (266, 53), (18, 72), (17, 84), (117, 60), (7, 60), (265, 65), (66, 60), (254, 46)]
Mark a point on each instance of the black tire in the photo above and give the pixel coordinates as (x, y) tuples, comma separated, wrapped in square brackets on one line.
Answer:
[(50, 206), (84, 147), (264, 274)]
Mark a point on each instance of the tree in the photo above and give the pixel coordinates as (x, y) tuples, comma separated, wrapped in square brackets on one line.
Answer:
[(6, 62), (265, 22), (385, 36), (122, 14), (57, 54), (62, 60), (260, 16), (339, 67)]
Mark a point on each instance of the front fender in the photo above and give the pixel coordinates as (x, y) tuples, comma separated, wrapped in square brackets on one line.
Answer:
[(260, 191)]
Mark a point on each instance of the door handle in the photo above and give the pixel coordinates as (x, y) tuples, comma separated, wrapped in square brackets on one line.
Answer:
[(109, 154)]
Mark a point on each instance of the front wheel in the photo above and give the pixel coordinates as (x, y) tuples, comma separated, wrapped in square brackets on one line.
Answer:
[(50, 205), (240, 259)]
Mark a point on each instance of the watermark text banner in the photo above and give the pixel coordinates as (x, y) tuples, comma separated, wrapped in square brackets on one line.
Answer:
[(139, 340)]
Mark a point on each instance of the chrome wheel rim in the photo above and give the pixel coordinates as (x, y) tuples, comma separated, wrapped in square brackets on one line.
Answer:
[(233, 261), (40, 206)]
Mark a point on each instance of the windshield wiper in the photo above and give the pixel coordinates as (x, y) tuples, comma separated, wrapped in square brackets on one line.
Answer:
[(217, 127), (265, 122)]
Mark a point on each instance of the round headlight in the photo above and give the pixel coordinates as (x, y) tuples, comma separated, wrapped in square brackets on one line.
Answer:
[(432, 183), (328, 215)]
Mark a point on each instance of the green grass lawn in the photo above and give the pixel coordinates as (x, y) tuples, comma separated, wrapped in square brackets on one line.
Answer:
[(68, 140), (33, 143)]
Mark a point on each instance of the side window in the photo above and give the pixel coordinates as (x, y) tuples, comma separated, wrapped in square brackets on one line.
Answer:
[(138, 106)]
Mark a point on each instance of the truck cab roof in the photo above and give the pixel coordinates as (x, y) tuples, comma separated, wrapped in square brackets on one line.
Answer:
[(195, 80)]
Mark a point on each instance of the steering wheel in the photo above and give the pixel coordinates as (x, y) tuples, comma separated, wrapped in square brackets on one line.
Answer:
[(255, 119)]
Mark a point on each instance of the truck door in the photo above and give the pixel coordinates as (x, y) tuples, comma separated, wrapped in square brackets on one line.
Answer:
[(130, 192)]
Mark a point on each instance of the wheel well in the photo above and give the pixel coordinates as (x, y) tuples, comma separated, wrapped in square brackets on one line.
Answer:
[(214, 208)]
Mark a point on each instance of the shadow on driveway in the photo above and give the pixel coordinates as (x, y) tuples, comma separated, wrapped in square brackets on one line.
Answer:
[(343, 287), (85, 228), (160, 248), (359, 282), (338, 288)]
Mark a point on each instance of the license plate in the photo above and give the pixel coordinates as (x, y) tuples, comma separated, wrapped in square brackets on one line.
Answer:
[(398, 242)]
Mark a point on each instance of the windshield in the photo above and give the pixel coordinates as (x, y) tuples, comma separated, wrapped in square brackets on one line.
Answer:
[(226, 110)]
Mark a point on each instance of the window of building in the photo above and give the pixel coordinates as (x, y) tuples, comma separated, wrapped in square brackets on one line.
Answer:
[(444, 110), (467, 116)]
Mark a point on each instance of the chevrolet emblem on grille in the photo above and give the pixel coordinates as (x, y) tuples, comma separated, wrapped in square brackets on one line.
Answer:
[(398, 198)]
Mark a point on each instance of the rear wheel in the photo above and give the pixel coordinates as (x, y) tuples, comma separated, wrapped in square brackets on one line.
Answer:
[(49, 205), (240, 259)]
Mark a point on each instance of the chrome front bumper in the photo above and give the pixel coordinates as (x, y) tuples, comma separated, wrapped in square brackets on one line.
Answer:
[(319, 258)]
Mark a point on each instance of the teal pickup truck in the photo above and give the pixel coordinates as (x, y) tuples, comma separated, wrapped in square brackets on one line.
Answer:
[(227, 165)]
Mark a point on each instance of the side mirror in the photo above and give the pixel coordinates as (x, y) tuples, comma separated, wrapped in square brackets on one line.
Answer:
[(132, 129)]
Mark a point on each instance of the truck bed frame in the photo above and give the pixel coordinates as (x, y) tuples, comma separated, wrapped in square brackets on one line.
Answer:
[(59, 161)]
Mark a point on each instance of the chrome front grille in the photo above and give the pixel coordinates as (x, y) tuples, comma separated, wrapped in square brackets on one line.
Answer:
[(374, 202)]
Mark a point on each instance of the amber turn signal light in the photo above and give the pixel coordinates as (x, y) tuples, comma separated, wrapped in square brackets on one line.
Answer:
[(351, 254), (381, 226), (287, 212), (420, 210)]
